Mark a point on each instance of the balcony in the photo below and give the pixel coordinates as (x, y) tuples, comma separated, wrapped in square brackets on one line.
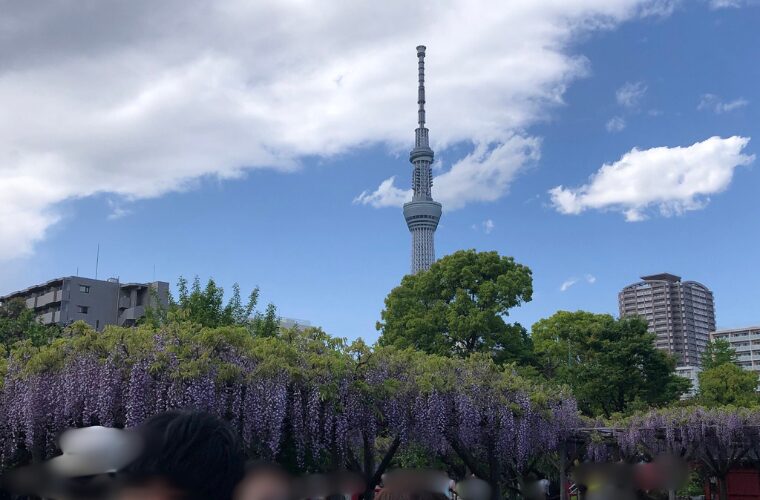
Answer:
[(48, 298), (132, 314), (50, 317)]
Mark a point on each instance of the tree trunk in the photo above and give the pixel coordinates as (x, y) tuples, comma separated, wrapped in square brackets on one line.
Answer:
[(493, 473), (372, 475), (722, 488), (562, 471)]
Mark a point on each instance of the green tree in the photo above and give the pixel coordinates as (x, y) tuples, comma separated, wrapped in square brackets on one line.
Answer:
[(267, 324), (18, 322), (611, 365), (727, 384), (718, 352), (205, 306), (458, 307)]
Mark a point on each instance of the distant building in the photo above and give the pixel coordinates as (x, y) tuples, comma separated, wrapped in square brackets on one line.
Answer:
[(746, 343), (300, 324), (96, 302), (691, 373), (680, 313)]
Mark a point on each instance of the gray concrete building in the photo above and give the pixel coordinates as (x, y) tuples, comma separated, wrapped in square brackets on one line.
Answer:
[(422, 213), (746, 343), (680, 313), (96, 302), (300, 324)]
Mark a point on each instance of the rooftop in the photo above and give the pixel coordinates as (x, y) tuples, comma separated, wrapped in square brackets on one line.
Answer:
[(662, 277)]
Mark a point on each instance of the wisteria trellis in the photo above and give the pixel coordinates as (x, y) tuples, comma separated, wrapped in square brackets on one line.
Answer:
[(329, 415), (330, 405)]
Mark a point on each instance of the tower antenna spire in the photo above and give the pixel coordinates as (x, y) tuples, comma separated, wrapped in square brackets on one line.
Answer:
[(421, 88)]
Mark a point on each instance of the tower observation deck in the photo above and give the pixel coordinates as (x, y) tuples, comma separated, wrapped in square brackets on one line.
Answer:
[(422, 213)]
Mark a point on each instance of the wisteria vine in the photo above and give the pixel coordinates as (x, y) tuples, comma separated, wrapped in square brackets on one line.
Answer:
[(324, 405)]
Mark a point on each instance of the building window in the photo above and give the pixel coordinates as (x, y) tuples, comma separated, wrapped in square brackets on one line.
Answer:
[(82, 309), (84, 288)]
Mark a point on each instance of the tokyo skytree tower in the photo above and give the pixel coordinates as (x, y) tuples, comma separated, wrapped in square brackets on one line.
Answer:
[(422, 213)]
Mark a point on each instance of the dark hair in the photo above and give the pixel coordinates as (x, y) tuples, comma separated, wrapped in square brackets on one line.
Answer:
[(261, 466), (401, 494), (194, 452)]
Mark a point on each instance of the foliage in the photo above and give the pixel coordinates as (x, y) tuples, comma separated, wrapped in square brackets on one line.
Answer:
[(718, 352), (727, 384), (18, 322), (301, 397), (205, 306), (717, 439), (611, 365), (458, 306)]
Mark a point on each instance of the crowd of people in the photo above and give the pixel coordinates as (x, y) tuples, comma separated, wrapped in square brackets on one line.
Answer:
[(182, 455)]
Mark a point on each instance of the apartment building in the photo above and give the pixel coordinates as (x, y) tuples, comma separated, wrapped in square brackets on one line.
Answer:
[(746, 343), (96, 302), (680, 313)]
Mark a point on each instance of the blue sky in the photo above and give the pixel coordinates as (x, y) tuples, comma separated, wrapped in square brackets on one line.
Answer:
[(186, 183)]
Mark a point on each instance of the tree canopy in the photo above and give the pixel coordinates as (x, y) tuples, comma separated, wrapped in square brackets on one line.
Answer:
[(611, 365), (722, 381), (18, 322), (718, 352), (458, 307), (728, 384), (205, 306)]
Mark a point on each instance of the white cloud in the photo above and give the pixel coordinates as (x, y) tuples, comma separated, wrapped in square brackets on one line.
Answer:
[(487, 226), (615, 124), (483, 175), (565, 286), (671, 180), (386, 195), (570, 282), (714, 103), (137, 99), (117, 211), (663, 8), (726, 4), (630, 94), (732, 4)]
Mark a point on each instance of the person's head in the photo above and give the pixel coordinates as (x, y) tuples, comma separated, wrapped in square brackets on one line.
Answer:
[(404, 494), (187, 455), (264, 481)]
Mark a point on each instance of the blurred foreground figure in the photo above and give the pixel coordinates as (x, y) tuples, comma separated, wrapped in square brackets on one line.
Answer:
[(264, 481), (187, 456), (85, 470), (401, 494), (473, 489), (426, 480)]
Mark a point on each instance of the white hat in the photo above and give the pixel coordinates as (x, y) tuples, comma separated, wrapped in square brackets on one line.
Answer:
[(94, 450)]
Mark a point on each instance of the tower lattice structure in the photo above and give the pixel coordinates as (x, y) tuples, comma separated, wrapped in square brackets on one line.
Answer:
[(422, 213)]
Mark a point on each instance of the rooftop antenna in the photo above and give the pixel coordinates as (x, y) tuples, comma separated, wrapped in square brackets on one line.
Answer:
[(154, 272), (97, 261)]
